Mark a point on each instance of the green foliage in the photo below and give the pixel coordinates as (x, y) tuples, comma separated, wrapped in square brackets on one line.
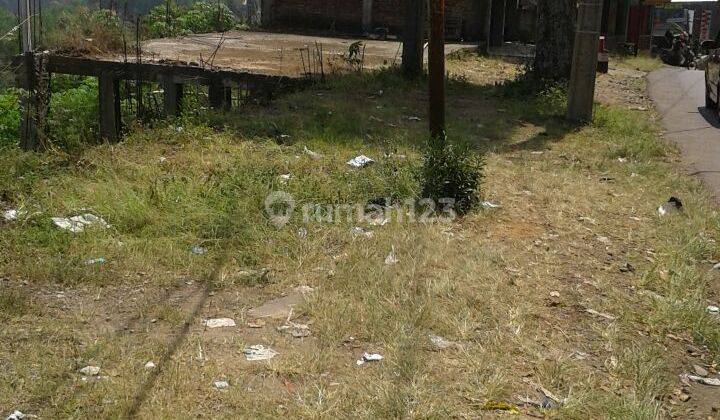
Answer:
[(176, 20), (73, 116), (9, 118), (451, 171), (83, 29)]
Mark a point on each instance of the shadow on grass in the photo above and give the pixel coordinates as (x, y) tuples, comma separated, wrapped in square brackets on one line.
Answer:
[(383, 109)]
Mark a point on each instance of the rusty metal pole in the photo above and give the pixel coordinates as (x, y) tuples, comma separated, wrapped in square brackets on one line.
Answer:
[(436, 68)]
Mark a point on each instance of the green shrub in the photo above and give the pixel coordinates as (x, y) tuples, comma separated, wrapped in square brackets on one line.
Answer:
[(451, 171), (9, 118), (73, 118), (85, 30), (182, 20)]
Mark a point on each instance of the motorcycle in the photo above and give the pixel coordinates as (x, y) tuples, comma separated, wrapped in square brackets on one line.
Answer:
[(675, 49)]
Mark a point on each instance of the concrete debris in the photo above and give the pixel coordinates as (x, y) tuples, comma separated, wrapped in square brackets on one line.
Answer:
[(282, 307), (198, 250), (600, 314), (94, 261), (296, 330), (490, 205), (700, 371), (360, 161), (17, 415), (715, 310), (391, 258), (221, 384), (90, 370), (310, 153), (12, 214), (219, 322), (358, 231), (259, 352), (701, 380), (150, 365), (369, 357), (439, 342), (76, 224), (673, 205)]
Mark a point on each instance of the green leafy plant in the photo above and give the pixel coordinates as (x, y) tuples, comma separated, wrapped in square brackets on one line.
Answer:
[(451, 171), (175, 20), (9, 117)]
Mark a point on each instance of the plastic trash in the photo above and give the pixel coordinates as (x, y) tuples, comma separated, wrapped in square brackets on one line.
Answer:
[(369, 357), (259, 352), (76, 224), (90, 370), (360, 161), (490, 205), (221, 384), (673, 205), (219, 322), (391, 258)]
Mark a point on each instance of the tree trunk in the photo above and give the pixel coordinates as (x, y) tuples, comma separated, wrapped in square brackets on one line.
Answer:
[(555, 38)]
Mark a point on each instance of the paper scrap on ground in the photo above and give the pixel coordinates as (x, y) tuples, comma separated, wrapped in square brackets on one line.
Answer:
[(391, 258), (439, 342), (90, 370), (219, 322), (704, 381), (490, 205), (150, 365), (369, 357), (93, 261), (16, 415), (221, 384), (12, 214), (259, 352), (78, 223), (360, 161)]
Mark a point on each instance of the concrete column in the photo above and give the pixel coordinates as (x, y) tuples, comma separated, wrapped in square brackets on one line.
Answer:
[(109, 97), (584, 65), (413, 37), (172, 97), (367, 23), (29, 135), (497, 23)]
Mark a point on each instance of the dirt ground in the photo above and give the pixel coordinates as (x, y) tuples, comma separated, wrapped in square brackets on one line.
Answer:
[(275, 53)]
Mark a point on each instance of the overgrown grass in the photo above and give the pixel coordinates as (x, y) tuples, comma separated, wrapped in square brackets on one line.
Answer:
[(510, 286)]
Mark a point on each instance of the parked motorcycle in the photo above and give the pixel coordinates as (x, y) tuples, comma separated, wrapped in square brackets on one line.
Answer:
[(675, 49)]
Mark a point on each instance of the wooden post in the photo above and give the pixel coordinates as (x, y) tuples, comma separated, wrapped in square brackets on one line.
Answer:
[(487, 23), (413, 37), (29, 135), (172, 97), (497, 25), (436, 68), (584, 63), (109, 97)]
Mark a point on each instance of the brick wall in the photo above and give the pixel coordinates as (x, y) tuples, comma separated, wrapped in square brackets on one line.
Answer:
[(464, 17)]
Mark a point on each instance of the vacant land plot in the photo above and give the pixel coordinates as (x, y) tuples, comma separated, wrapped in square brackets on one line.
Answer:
[(572, 299)]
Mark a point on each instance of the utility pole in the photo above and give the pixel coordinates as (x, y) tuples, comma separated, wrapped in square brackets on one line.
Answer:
[(584, 63), (413, 37), (436, 68)]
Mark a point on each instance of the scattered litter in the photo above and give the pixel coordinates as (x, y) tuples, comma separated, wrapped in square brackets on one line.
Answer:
[(90, 371), (700, 371), (500, 406), (537, 152), (12, 214), (716, 266), (555, 294), (600, 314), (673, 205), (622, 159), (701, 380), (259, 352), (162, 159), (221, 384), (391, 259), (94, 261), (302, 232), (440, 343), (150, 365), (715, 310), (219, 322), (310, 153), (358, 231), (360, 161), (198, 250), (285, 178), (490, 205), (606, 178), (16, 415), (77, 224), (413, 118), (369, 357)]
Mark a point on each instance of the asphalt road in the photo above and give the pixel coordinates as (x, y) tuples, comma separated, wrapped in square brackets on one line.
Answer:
[(679, 96)]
